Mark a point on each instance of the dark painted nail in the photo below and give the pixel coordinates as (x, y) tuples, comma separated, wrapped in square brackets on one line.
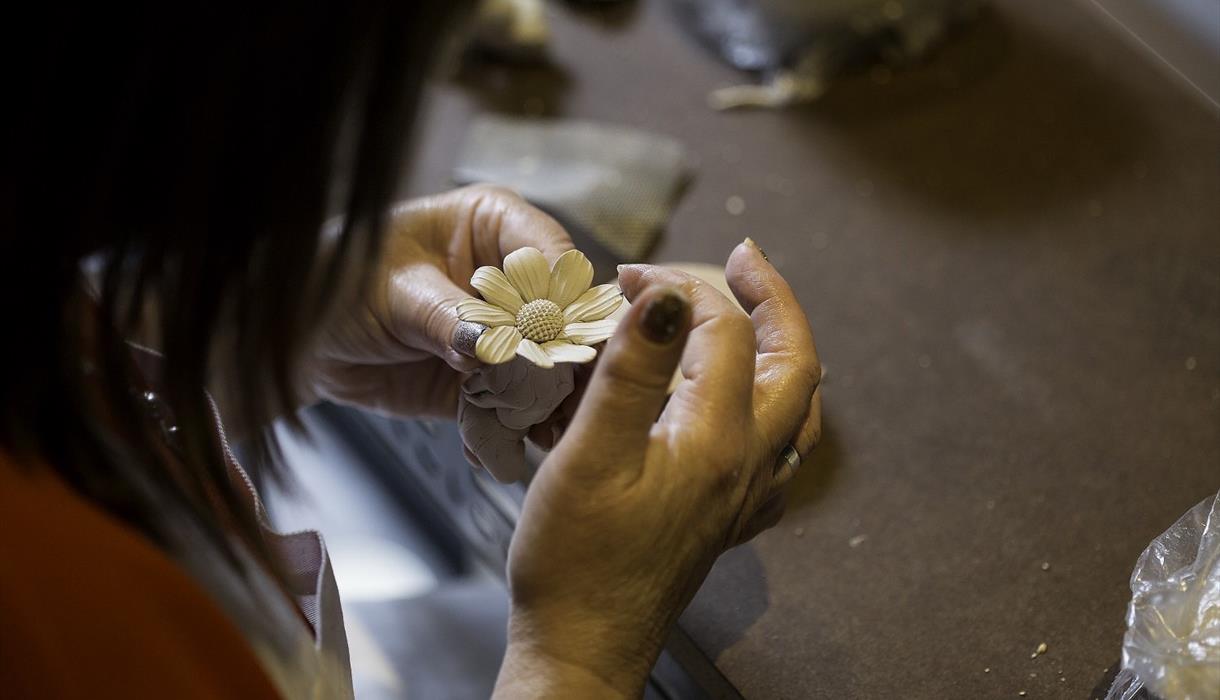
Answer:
[(664, 317), (466, 336)]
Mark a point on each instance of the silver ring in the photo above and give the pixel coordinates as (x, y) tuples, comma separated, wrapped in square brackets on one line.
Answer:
[(788, 456)]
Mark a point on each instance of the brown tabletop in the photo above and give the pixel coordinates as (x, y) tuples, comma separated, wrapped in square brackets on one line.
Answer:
[(1011, 259)]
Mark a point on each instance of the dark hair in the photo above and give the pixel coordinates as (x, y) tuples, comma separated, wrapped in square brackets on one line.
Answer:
[(194, 157)]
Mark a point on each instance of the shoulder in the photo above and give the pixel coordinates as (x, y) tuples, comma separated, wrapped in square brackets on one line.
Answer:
[(90, 608)]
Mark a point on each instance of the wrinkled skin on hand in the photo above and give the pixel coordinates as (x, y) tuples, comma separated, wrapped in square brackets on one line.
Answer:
[(627, 514), (392, 351)]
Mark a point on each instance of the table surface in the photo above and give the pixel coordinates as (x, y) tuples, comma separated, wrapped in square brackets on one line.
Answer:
[(1010, 258)]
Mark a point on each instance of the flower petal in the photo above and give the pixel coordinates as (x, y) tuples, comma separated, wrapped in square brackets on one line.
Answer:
[(479, 311), (570, 277), (495, 288), (594, 305), (533, 352), (497, 345), (564, 351), (590, 332), (526, 268)]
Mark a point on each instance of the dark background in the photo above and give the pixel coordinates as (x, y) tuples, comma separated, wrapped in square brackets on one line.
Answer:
[(1010, 258)]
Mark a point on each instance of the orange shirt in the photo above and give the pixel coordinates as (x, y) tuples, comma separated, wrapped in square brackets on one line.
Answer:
[(90, 609)]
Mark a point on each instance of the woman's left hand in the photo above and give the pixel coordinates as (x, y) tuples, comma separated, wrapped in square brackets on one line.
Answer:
[(393, 351)]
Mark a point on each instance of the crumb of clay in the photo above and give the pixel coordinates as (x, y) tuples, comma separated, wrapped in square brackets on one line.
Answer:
[(799, 531), (1046, 566), (856, 541), (1041, 648), (735, 205), (1033, 655), (1022, 693), (1062, 679), (987, 670)]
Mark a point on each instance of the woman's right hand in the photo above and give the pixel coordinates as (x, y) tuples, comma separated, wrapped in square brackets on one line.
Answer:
[(627, 514)]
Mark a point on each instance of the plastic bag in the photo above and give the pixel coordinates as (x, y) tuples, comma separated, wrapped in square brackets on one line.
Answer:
[(1172, 645)]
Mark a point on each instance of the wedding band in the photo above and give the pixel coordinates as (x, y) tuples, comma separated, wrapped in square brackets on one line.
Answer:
[(788, 456), (466, 336)]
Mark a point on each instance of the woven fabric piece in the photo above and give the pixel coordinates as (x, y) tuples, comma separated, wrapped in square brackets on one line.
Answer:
[(618, 185)]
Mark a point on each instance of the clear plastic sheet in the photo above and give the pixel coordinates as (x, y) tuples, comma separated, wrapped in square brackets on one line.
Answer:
[(1172, 646)]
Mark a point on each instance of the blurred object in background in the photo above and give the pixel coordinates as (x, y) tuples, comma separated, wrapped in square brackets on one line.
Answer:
[(610, 185), (517, 30), (514, 30), (798, 46)]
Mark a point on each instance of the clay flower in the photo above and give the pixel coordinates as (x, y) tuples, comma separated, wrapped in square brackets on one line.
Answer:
[(544, 315)]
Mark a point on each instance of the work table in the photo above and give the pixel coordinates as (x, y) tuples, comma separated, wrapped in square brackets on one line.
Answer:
[(1011, 262)]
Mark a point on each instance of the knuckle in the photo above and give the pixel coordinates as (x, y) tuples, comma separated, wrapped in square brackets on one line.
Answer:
[(813, 436), (728, 466), (815, 439), (439, 321), (631, 375), (808, 437), (809, 372), (739, 325), (734, 329), (559, 240)]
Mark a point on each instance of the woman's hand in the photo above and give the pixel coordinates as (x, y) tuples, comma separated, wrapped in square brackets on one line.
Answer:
[(626, 516), (393, 351)]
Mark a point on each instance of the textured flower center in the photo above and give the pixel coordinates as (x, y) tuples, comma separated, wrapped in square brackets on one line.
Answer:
[(540, 320)]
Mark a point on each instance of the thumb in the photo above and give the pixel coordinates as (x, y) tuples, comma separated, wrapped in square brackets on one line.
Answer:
[(423, 313), (630, 386)]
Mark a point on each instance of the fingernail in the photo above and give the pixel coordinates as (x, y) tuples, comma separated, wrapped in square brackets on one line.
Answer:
[(466, 336), (664, 317), (750, 242)]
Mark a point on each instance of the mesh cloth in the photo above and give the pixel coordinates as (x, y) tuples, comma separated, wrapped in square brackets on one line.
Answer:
[(617, 185)]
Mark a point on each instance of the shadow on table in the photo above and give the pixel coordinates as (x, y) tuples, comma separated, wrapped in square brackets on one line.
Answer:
[(732, 599), (715, 625), (816, 477), (718, 627), (1003, 119)]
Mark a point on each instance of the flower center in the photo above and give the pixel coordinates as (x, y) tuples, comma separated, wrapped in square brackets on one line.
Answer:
[(540, 320)]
